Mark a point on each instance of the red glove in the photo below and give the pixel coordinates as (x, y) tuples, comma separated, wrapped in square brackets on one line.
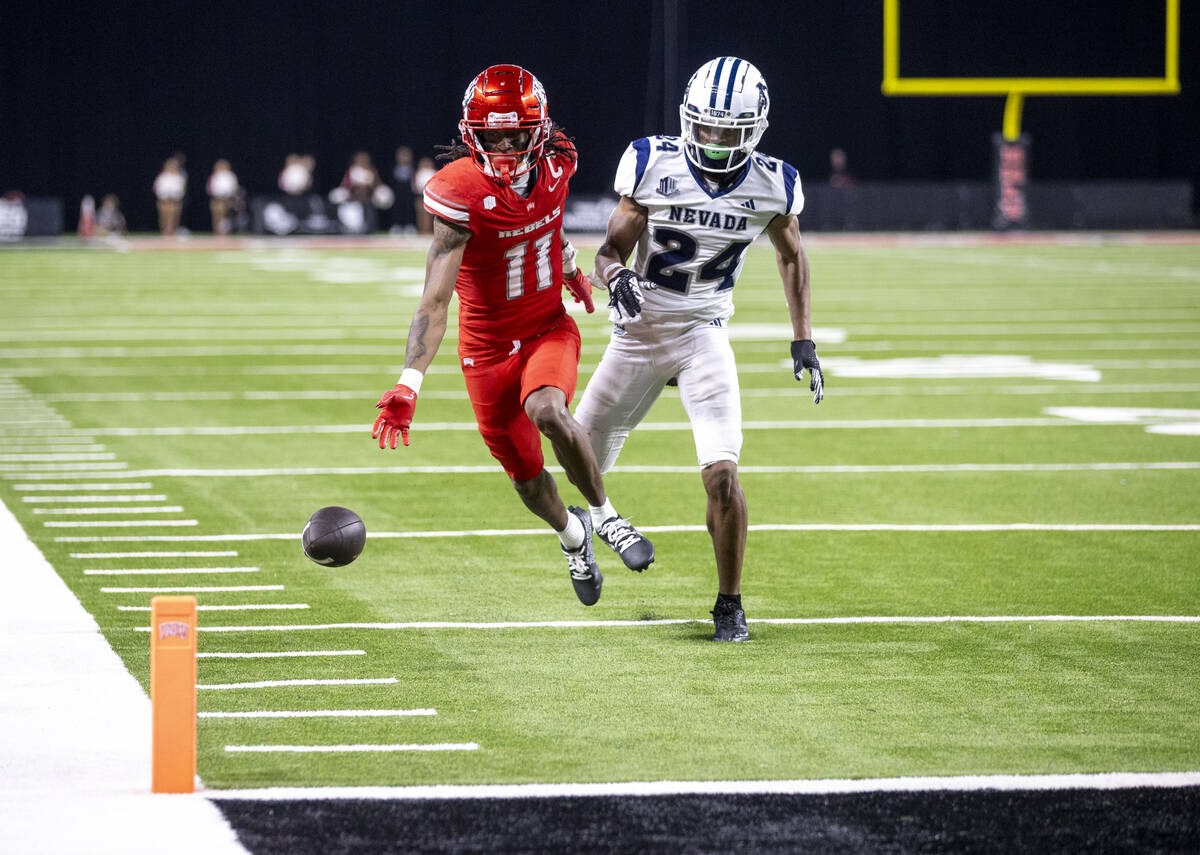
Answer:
[(398, 405), (581, 289)]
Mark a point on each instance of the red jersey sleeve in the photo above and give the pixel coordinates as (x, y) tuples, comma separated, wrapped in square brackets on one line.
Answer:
[(448, 198)]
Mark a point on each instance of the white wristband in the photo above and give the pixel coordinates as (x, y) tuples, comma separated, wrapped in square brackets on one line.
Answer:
[(612, 270), (568, 253), (412, 378)]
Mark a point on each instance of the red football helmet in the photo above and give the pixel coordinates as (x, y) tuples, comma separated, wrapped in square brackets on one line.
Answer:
[(505, 97)]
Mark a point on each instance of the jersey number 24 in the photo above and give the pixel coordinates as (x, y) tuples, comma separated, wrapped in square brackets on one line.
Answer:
[(679, 248)]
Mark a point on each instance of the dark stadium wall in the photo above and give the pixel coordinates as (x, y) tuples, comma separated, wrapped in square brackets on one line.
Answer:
[(93, 97)]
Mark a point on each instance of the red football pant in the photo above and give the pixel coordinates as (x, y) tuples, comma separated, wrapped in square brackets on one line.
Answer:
[(498, 390)]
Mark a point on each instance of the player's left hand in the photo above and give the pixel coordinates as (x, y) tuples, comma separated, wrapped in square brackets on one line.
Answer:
[(581, 289), (398, 406), (804, 355)]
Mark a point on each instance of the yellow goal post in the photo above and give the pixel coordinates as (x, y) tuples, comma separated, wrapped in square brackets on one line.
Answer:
[(1016, 88)]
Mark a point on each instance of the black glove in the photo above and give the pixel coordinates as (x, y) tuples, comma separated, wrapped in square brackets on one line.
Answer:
[(625, 296), (804, 355)]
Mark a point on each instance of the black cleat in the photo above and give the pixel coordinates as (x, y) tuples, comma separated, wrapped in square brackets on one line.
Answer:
[(730, 622), (622, 538), (585, 574)]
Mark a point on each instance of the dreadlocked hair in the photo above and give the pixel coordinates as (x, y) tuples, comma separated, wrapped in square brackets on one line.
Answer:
[(556, 144)]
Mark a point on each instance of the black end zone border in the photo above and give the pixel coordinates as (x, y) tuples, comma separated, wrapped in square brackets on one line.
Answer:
[(1141, 820)]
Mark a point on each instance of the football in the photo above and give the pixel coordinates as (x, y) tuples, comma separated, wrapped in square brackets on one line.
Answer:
[(333, 536)]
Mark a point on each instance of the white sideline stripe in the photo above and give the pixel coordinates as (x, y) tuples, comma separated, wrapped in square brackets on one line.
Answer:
[(280, 654), (191, 589), (74, 728), (345, 749), (145, 509), (319, 714), (246, 607), (220, 553), (603, 624), (519, 532), (272, 684), (139, 497), (826, 786), (491, 469), (29, 488), (788, 424), (175, 571), (120, 523)]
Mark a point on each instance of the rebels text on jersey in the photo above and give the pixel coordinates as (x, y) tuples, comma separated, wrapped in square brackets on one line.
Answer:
[(510, 283), (695, 240)]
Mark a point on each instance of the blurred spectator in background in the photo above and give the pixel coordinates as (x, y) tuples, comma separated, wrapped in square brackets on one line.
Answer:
[(425, 170), (222, 191), (360, 180), (87, 217), (403, 215), (297, 175), (110, 220), (839, 210), (839, 173), (169, 189)]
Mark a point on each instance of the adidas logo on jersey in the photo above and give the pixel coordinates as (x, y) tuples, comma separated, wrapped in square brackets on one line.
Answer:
[(749, 203), (711, 219), (667, 187)]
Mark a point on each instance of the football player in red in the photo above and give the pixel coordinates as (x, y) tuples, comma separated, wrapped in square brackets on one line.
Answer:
[(497, 242)]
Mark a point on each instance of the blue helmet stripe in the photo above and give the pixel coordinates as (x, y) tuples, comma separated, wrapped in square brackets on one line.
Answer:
[(712, 102), (732, 78)]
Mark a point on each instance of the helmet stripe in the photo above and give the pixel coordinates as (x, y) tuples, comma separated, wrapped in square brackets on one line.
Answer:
[(732, 80), (712, 101)]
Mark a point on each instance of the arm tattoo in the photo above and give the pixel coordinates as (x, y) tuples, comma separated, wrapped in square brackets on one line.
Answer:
[(415, 347)]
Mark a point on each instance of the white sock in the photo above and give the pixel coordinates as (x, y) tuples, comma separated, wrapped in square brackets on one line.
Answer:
[(602, 513), (572, 535)]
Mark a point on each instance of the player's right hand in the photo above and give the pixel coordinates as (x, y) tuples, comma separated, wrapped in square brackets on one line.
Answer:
[(625, 296), (393, 423)]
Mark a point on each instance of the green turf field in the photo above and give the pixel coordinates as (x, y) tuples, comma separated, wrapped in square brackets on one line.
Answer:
[(981, 401)]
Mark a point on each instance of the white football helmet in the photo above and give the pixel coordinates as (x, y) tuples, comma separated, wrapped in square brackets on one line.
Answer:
[(723, 114)]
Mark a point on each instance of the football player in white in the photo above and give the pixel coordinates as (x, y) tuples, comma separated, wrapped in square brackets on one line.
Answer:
[(690, 206)]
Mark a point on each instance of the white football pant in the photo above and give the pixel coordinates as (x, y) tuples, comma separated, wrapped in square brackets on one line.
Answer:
[(632, 373)]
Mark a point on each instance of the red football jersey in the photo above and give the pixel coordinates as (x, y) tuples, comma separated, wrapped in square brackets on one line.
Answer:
[(510, 283)]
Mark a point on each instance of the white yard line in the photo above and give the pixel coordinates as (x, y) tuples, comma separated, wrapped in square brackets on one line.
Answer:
[(432, 427), (826, 786), (347, 749), (121, 523), (172, 571), (272, 684), (139, 497), (145, 509), (123, 485), (635, 624), (521, 532), (491, 469), (243, 607), (320, 714), (217, 553), (191, 589), (276, 654)]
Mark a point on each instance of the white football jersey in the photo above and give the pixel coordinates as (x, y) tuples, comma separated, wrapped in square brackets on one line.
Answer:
[(696, 238)]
